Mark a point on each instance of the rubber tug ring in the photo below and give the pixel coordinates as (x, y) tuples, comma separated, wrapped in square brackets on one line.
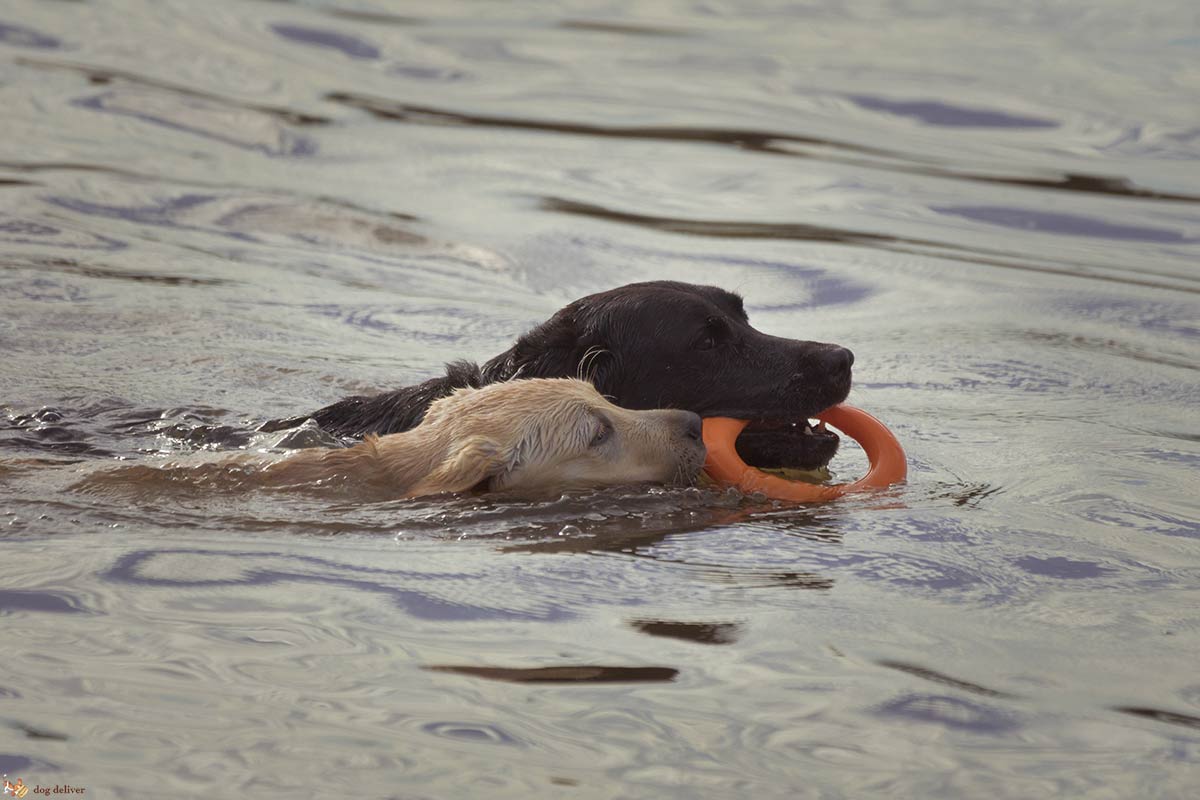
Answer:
[(725, 466)]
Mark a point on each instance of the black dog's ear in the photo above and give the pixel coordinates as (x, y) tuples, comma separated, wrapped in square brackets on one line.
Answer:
[(553, 349)]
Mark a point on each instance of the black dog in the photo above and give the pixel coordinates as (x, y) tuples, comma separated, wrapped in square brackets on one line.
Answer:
[(650, 345)]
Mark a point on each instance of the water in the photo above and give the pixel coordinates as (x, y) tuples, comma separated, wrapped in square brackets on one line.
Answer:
[(215, 214)]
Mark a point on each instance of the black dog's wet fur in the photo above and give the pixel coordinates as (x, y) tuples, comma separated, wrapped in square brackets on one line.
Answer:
[(649, 345)]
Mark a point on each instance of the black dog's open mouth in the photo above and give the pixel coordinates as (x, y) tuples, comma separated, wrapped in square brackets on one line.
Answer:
[(776, 444)]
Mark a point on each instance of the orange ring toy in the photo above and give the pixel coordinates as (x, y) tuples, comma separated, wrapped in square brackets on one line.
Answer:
[(725, 466)]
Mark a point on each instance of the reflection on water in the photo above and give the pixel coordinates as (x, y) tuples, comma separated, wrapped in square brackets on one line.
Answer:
[(213, 215)]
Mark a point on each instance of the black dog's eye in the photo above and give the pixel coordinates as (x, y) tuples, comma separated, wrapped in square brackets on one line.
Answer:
[(711, 335)]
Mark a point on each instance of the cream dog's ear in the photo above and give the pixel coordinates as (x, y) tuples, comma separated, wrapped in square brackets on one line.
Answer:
[(465, 466), (443, 407)]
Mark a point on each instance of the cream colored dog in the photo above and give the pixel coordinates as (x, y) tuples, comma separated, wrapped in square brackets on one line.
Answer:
[(532, 436), (525, 435)]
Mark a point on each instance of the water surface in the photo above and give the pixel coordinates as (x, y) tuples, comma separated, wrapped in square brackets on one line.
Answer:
[(216, 214)]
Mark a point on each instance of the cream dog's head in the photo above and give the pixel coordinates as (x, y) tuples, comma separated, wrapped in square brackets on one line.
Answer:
[(548, 434), (531, 435)]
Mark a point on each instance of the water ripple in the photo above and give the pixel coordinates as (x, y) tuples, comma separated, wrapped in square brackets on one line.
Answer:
[(344, 43), (214, 121), (224, 569), (1064, 224), (789, 231), (773, 143), (20, 36), (952, 713), (942, 114)]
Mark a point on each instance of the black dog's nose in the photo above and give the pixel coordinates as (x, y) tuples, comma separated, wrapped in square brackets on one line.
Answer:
[(693, 427), (835, 360)]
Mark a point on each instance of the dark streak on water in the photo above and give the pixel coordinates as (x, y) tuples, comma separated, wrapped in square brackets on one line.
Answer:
[(565, 674), (933, 112), (698, 632), (754, 141), (104, 76), (1158, 715), (757, 141), (595, 26), (816, 233), (946, 680), (350, 46), (100, 271)]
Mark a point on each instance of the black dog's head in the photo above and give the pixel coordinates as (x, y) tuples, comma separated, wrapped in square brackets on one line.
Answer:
[(677, 345)]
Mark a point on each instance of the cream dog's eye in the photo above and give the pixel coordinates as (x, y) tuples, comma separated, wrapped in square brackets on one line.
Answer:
[(603, 431)]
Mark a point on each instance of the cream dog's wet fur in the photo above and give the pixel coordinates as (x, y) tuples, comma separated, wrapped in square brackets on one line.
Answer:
[(528, 436), (522, 436)]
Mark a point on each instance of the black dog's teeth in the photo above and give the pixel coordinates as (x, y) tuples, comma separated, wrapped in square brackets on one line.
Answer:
[(805, 428)]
